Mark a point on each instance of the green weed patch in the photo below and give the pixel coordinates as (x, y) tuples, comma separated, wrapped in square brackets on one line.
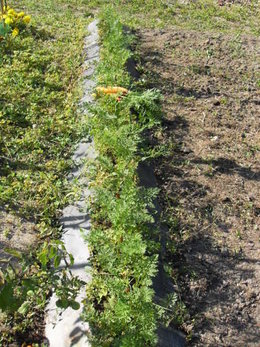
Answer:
[(197, 15), (39, 73), (39, 127), (119, 305)]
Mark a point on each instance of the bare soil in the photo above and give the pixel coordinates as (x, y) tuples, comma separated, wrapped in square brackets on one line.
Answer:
[(16, 233), (209, 182)]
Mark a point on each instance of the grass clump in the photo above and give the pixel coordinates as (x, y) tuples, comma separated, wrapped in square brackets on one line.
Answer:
[(119, 303)]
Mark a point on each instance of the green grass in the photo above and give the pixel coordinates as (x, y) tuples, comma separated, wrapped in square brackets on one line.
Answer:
[(200, 15)]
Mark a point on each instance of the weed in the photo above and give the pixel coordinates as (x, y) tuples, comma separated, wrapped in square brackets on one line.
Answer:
[(239, 235), (174, 310), (236, 46)]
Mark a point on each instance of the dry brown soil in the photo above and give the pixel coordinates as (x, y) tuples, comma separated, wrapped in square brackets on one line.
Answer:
[(210, 189), (18, 234), (15, 233)]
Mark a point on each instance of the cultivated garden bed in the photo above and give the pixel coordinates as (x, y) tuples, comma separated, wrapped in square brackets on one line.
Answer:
[(197, 62)]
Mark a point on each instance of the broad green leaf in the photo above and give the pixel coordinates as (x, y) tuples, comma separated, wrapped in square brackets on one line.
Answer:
[(52, 252), (23, 309), (7, 300), (75, 305), (43, 257), (71, 259), (57, 261), (62, 303)]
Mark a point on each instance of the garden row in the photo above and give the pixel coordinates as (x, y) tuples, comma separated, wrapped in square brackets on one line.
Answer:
[(119, 305)]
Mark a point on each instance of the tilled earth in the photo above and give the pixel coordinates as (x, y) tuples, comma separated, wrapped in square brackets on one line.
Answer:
[(209, 182)]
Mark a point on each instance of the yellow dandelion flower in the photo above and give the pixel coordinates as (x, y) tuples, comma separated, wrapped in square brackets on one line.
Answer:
[(21, 14), (27, 19), (8, 21), (15, 32), (11, 12)]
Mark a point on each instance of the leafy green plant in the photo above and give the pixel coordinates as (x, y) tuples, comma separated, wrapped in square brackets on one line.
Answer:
[(25, 288), (119, 305)]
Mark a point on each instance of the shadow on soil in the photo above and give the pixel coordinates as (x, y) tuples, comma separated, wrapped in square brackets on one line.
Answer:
[(205, 271), (202, 266), (209, 275)]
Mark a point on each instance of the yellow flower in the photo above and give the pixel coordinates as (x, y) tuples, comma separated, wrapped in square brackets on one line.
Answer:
[(8, 21), (15, 32), (21, 14), (6, 8), (11, 12), (27, 19)]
